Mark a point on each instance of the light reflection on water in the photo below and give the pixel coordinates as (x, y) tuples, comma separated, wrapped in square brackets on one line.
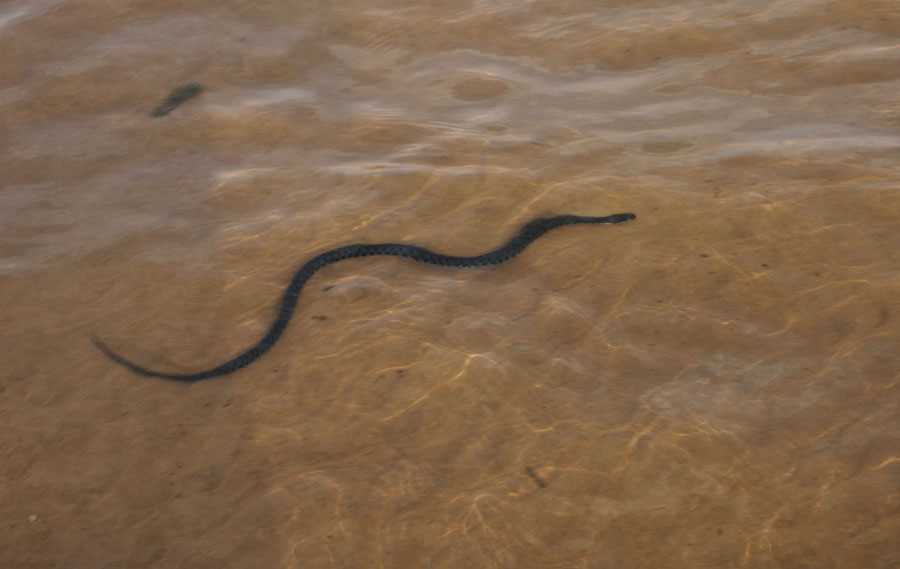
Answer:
[(712, 385)]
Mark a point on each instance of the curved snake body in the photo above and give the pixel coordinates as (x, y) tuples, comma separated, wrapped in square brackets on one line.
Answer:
[(513, 247)]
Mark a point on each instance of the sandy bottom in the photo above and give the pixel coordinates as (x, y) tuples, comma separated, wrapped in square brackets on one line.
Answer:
[(713, 385)]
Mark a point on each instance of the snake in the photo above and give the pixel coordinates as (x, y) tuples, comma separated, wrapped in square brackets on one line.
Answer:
[(516, 244)]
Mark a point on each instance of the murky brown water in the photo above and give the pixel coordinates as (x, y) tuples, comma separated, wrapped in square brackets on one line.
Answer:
[(714, 385)]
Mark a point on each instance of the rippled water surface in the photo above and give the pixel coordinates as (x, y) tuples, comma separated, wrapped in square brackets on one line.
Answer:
[(715, 384)]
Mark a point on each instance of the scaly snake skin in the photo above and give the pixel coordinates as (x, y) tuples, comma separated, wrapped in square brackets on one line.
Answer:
[(513, 247)]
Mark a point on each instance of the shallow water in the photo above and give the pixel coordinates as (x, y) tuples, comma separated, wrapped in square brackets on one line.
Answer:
[(713, 385)]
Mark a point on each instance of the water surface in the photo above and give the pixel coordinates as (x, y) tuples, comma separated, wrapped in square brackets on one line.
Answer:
[(713, 385)]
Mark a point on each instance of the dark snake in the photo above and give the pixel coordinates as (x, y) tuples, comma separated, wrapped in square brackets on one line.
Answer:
[(531, 231)]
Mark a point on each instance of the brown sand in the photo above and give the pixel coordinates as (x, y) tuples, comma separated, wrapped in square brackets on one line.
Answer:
[(714, 385)]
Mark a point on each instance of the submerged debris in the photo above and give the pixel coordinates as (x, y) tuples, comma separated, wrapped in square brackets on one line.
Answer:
[(177, 97), (541, 483)]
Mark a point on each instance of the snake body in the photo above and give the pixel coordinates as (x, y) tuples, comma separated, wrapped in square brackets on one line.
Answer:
[(531, 231)]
